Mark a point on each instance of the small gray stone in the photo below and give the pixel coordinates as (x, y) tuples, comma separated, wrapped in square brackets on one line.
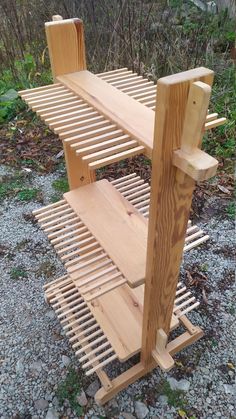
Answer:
[(163, 399), (141, 410), (41, 404), (52, 414), (125, 415), (36, 366), (65, 360), (229, 389), (50, 314), (82, 399), (93, 388), (19, 366), (178, 385)]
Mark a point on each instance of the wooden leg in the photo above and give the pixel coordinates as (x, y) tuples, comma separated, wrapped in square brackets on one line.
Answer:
[(139, 370), (77, 171), (122, 381)]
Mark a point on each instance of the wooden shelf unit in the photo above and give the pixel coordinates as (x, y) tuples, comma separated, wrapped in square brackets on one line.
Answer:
[(122, 242)]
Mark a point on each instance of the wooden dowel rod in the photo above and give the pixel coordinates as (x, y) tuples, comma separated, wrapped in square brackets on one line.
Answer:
[(60, 232), (57, 204), (182, 297), (98, 357), (188, 309), (94, 351), (101, 365), (41, 88), (185, 303), (102, 282), (120, 180), (106, 289)]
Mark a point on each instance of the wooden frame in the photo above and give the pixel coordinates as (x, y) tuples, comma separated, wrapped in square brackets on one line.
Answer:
[(111, 305)]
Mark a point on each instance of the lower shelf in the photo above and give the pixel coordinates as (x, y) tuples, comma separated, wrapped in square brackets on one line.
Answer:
[(102, 325)]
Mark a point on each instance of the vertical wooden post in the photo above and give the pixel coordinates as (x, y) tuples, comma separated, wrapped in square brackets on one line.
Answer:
[(171, 197), (66, 46), (65, 39)]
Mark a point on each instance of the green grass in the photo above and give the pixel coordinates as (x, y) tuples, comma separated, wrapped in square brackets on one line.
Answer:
[(61, 185), (10, 186), (175, 397), (18, 273), (69, 389), (231, 210), (27, 194), (220, 141)]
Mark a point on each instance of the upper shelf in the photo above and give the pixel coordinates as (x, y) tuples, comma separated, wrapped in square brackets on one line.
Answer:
[(133, 117)]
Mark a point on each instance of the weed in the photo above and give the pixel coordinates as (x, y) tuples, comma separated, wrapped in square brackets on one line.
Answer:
[(27, 194), (46, 268), (69, 390), (231, 210), (18, 273), (61, 185), (175, 397), (55, 197), (11, 185)]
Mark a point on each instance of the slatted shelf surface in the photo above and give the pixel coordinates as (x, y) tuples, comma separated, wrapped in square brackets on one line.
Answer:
[(92, 347), (93, 289), (84, 258), (93, 137)]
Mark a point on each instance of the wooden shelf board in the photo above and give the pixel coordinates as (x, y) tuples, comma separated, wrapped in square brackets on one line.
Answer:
[(119, 228), (120, 314), (130, 115)]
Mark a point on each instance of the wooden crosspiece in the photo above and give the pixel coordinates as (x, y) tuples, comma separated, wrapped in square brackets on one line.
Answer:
[(122, 242)]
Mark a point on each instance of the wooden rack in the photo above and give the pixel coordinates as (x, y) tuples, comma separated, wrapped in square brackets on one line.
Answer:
[(122, 242)]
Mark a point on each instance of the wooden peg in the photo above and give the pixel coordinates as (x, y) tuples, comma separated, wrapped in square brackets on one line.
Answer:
[(160, 353), (189, 158)]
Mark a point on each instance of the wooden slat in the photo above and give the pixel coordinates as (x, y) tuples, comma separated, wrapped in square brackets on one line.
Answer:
[(128, 114), (112, 225), (117, 157)]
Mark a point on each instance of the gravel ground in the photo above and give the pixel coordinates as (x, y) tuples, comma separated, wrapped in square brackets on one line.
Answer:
[(35, 357)]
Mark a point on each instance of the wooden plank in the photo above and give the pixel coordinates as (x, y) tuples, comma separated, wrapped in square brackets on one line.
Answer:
[(171, 193), (126, 112), (65, 39), (118, 227)]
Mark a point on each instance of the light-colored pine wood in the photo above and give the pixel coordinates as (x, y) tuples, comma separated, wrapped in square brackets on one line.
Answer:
[(128, 114), (165, 235), (65, 39), (117, 226)]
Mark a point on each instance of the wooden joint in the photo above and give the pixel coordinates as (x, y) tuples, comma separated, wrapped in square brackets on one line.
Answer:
[(198, 165), (160, 353)]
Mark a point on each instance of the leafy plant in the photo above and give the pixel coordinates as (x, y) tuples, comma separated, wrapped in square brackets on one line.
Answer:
[(18, 273), (61, 185), (231, 210), (69, 390), (27, 194), (175, 397)]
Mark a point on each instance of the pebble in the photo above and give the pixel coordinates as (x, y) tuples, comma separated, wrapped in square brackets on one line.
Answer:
[(65, 360), (82, 399), (52, 414), (141, 410), (125, 415), (178, 385), (93, 388), (41, 404)]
